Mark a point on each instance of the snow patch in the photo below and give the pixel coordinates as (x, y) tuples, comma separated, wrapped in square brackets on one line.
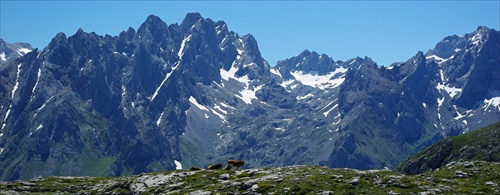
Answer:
[(219, 115), (459, 115), (288, 84), (37, 79), (305, 97), (39, 127), (162, 83), (494, 101), (452, 91), (438, 59), (43, 106), (476, 39), (195, 103), (2, 57), (183, 44), (440, 102), (206, 116), (226, 106), (425, 105), (226, 75), (279, 129), (17, 81), (218, 108), (23, 51), (159, 119), (246, 94), (178, 165), (6, 115), (320, 81), (276, 72), (328, 112)]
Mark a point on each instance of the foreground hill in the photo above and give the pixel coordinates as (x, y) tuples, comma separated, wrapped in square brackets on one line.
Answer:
[(482, 144), (461, 177)]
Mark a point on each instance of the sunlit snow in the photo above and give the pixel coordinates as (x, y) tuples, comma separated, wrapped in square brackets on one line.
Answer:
[(246, 94), (305, 97), (438, 59), (195, 103), (43, 106), (2, 56), (218, 108), (452, 91), (178, 165), (23, 51), (17, 81), (183, 44), (276, 72), (319, 81), (159, 119), (37, 79), (328, 112), (162, 83), (476, 39), (494, 101)]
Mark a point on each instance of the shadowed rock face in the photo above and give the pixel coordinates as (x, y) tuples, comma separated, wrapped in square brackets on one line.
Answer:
[(192, 94)]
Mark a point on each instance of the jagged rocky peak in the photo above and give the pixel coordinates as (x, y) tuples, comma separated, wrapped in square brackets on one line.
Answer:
[(153, 24), (447, 47), (451, 45), (358, 63), (10, 52), (190, 20), (307, 62)]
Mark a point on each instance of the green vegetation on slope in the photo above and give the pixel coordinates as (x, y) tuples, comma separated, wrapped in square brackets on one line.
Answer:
[(460, 177), (482, 144)]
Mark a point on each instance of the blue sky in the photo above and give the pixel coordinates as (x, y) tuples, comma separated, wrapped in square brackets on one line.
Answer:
[(386, 31)]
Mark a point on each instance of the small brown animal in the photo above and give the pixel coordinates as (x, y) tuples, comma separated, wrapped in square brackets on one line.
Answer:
[(228, 167), (236, 163), (195, 169), (216, 166)]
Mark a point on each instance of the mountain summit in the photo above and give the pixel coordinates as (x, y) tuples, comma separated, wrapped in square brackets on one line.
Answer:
[(166, 97)]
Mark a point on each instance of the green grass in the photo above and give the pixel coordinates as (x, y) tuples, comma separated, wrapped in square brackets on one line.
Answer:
[(286, 180), (482, 144)]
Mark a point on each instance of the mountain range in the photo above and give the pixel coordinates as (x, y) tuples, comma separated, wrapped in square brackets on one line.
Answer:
[(167, 97)]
